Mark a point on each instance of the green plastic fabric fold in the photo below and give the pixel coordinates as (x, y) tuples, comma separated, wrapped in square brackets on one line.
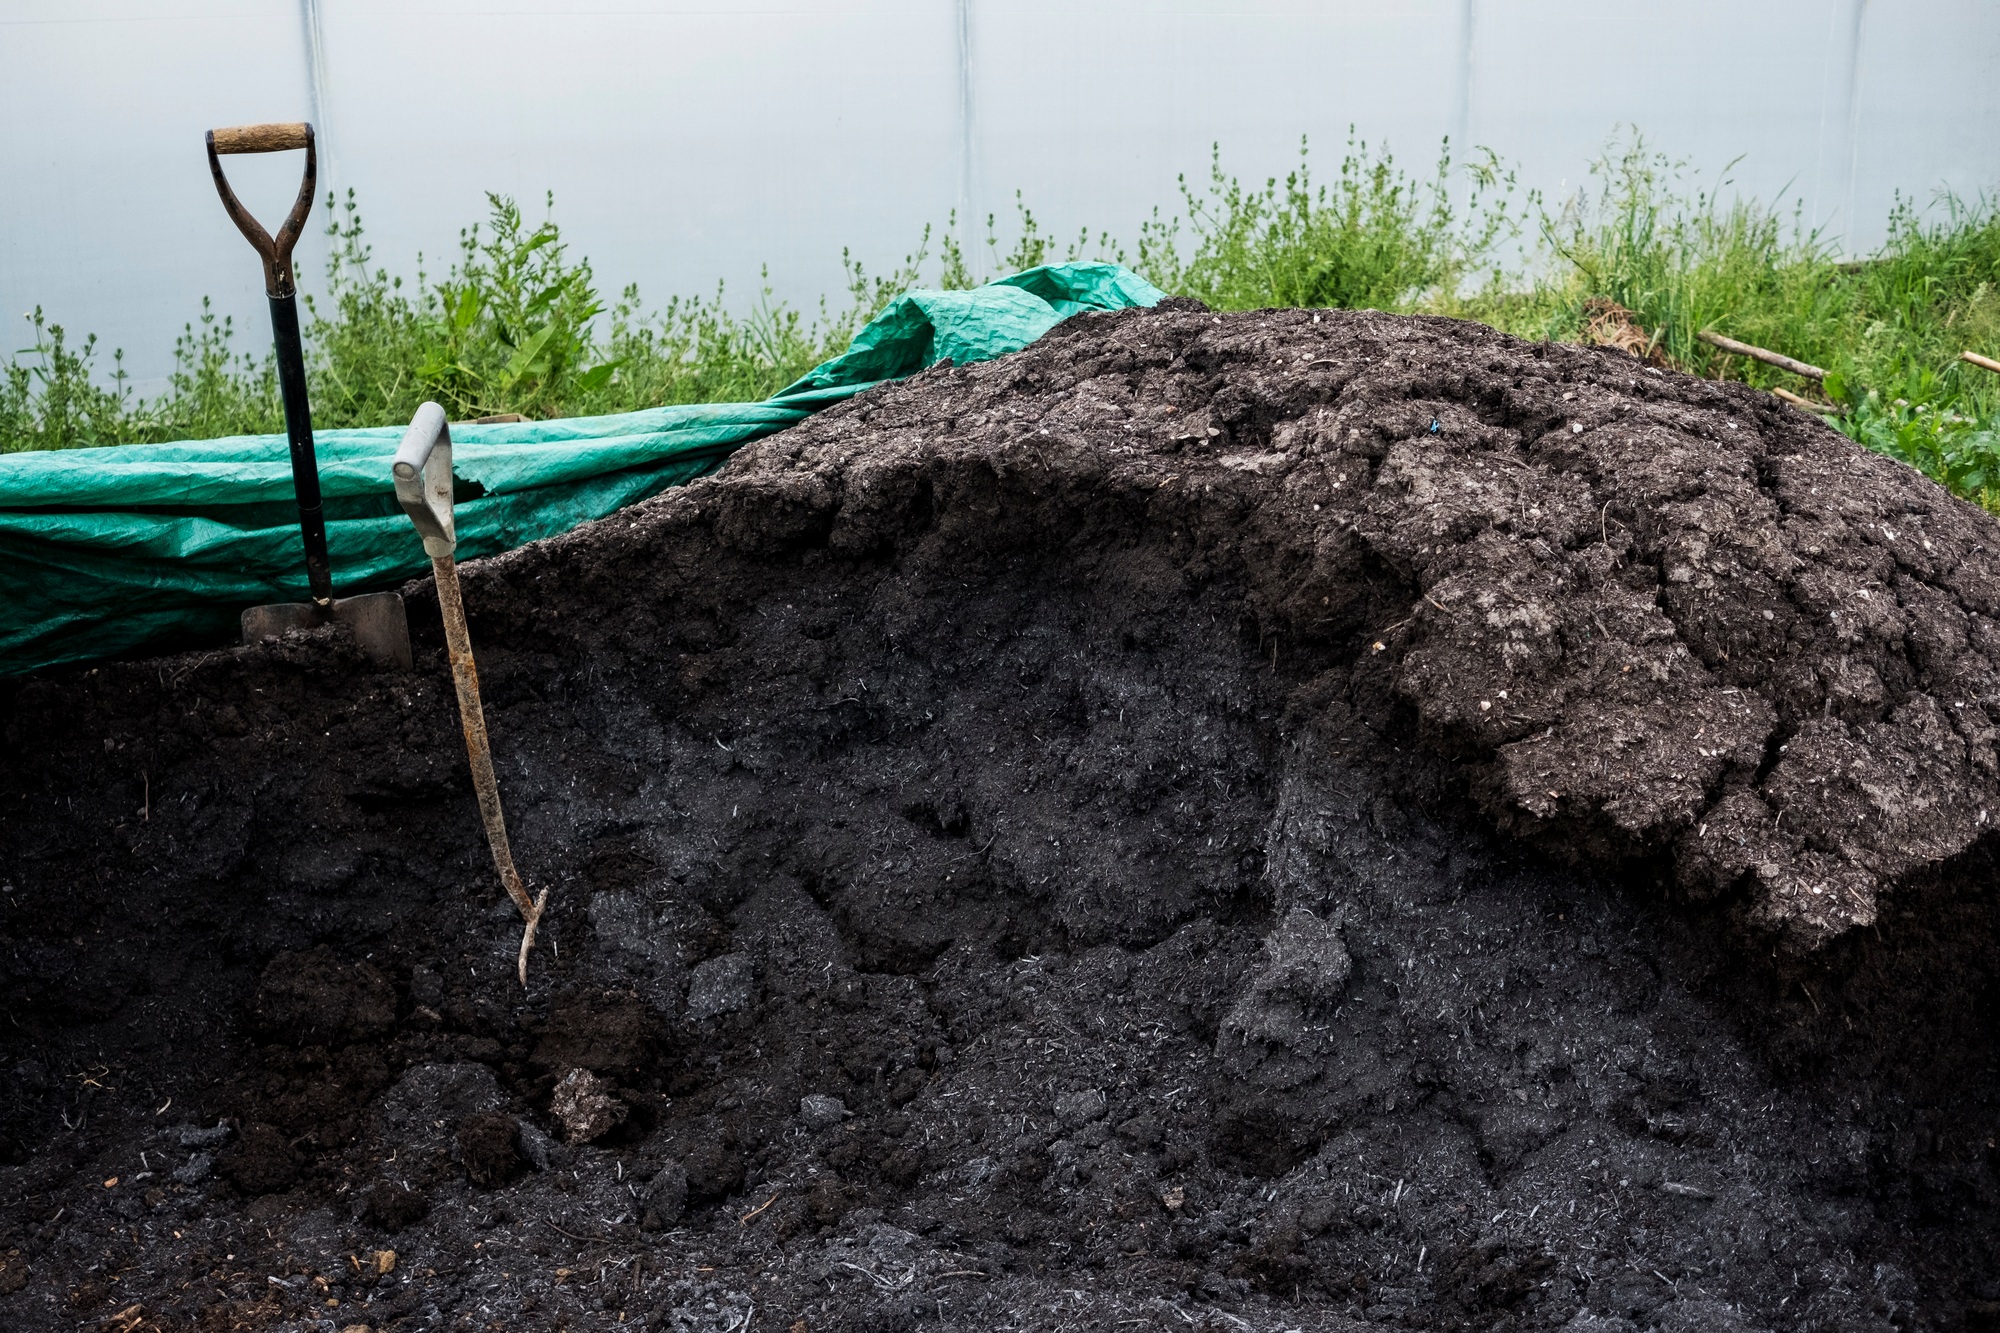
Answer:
[(114, 551)]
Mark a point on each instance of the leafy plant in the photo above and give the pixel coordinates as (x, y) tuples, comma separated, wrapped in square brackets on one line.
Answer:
[(1374, 238), (1958, 450), (52, 401), (515, 327), (1646, 257), (213, 389)]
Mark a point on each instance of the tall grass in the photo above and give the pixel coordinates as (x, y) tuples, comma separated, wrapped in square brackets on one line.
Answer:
[(1887, 327), (1647, 255)]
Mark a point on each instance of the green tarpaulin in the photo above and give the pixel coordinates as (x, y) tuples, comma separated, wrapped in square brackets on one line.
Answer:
[(104, 551)]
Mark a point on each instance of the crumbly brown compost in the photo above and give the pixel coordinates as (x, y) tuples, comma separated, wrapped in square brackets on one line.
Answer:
[(1645, 613), (1264, 821)]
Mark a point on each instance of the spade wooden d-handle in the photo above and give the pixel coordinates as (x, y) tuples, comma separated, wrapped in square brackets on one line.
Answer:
[(276, 138)]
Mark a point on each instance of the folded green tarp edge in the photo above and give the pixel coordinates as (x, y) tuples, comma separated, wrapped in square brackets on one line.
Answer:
[(108, 551)]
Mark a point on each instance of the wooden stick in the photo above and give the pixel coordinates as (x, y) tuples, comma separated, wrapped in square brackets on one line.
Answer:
[(472, 718), (276, 138), (1805, 404), (1764, 354), (1983, 362)]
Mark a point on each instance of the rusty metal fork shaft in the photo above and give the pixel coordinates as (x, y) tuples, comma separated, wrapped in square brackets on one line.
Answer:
[(472, 716)]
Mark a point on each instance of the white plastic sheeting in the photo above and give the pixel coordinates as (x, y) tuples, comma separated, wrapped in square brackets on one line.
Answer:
[(687, 142)]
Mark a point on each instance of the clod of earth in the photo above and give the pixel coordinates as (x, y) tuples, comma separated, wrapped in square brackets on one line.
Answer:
[(1268, 820), (1301, 976), (819, 1111), (489, 1148), (392, 1207), (721, 986), (665, 1199), (586, 1106)]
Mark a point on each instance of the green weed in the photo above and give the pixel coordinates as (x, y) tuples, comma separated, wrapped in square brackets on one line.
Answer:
[(1677, 261), (517, 326), (51, 400), (1376, 238), (1648, 256)]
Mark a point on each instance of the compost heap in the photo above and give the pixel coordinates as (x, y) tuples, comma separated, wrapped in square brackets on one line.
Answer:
[(1226, 822)]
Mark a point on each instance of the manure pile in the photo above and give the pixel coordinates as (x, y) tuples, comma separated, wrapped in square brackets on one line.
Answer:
[(1254, 822)]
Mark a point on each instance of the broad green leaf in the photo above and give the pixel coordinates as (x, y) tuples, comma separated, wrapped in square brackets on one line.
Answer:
[(590, 381), (518, 365)]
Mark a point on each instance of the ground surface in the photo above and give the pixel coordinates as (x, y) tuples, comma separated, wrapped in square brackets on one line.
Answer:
[(1262, 822)]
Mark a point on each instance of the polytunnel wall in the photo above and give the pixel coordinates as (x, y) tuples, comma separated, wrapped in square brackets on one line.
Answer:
[(688, 142)]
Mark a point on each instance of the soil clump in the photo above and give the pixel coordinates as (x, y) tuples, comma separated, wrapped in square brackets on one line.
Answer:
[(1277, 821)]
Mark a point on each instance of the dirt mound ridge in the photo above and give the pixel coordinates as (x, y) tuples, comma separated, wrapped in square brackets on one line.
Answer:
[(1648, 613), (1027, 850)]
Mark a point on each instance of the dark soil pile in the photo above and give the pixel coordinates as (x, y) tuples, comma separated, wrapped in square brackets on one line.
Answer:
[(1258, 822)]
